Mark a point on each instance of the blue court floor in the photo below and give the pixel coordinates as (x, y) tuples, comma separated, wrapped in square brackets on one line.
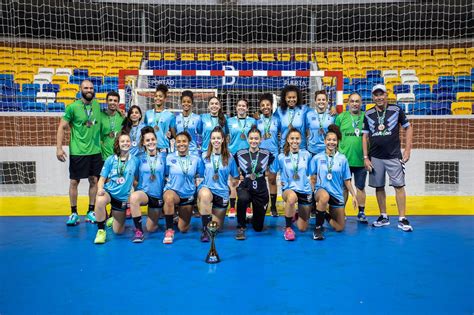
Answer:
[(48, 268)]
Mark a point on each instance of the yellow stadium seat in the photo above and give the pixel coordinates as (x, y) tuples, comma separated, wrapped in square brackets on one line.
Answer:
[(377, 53), (346, 54), (79, 52), (98, 72), (267, 57), (392, 98), (469, 50), (333, 54), (66, 52), (368, 66), (444, 71), (383, 65), (413, 64), (204, 57), (66, 96), (283, 57), (446, 63), (465, 96), (22, 62), (393, 58), (7, 60), (345, 98), (169, 56), (302, 57), (6, 54), (377, 59), (154, 56), (60, 79), (327, 81), (123, 53), (21, 56), (369, 106), (319, 54), (96, 53), (135, 60), (356, 73), (122, 59), (90, 59), (442, 57), (364, 58), (463, 63), (236, 57), (461, 108), (459, 55), (410, 58), (50, 51), (36, 51), (69, 87), (323, 66), (389, 87), (349, 59), (105, 60), (6, 49), (54, 57), (24, 78), (463, 70), (392, 53), (109, 53), (351, 66), (440, 51), (321, 60), (423, 52), (38, 62), (54, 64), (118, 65), (427, 79), (113, 72), (101, 97), (392, 81), (430, 64), (26, 70), (335, 66), (187, 56), (136, 54), (424, 58), (20, 50), (334, 59), (220, 57), (408, 52), (457, 50), (251, 57)]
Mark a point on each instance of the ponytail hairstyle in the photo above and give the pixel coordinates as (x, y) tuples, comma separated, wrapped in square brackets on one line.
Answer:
[(224, 148), (187, 93), (286, 146), (335, 130), (127, 123), (254, 129), (220, 113), (163, 88)]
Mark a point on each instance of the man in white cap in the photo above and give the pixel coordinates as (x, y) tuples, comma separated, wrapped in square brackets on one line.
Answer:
[(381, 132)]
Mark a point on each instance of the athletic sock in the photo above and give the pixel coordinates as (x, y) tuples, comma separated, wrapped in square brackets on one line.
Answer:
[(273, 199), (232, 202), (169, 221), (74, 209), (361, 209), (288, 221), (205, 220), (91, 208), (101, 225), (320, 218), (138, 223), (384, 215), (401, 218)]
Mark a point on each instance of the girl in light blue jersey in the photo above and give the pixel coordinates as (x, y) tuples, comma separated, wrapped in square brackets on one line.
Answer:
[(270, 128), (189, 121), (149, 191), (133, 125), (213, 196), (114, 186), (181, 169), (292, 114), (317, 123), (214, 118), (333, 174), (162, 120), (293, 165)]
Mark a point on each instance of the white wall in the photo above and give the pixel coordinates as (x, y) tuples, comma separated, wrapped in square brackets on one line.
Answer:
[(52, 175)]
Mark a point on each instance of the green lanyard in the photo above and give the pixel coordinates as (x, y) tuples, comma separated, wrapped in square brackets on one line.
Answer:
[(215, 162), (321, 120), (355, 123), (266, 123), (121, 166), (186, 165), (254, 162), (112, 123), (291, 116), (381, 119), (157, 121), (88, 113), (294, 162), (330, 163), (242, 129), (152, 163), (186, 121)]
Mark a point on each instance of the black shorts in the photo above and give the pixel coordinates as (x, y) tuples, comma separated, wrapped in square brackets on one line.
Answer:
[(186, 201), (154, 202), (335, 203), (304, 199), (118, 205), (84, 166), (219, 203)]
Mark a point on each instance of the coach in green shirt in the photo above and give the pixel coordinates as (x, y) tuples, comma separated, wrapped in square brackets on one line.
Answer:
[(111, 123), (83, 119), (350, 123)]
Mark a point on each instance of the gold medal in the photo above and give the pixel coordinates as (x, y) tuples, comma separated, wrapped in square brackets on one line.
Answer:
[(215, 177), (253, 176), (296, 177), (321, 131), (290, 126), (267, 135), (152, 177), (157, 128), (242, 136), (112, 134)]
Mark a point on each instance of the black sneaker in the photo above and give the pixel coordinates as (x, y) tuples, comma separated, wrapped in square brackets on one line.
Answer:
[(362, 218), (318, 234), (240, 235), (381, 221), (404, 225), (274, 212)]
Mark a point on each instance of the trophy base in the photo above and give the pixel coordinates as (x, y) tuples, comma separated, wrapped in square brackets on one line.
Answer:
[(213, 259)]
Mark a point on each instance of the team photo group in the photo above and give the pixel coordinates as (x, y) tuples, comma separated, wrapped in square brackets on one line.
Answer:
[(213, 166)]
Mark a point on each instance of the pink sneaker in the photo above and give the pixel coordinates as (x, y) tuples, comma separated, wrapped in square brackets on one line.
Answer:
[(138, 237), (289, 234), (232, 213), (169, 236)]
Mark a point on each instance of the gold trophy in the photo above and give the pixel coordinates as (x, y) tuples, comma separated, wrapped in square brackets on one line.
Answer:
[(212, 256)]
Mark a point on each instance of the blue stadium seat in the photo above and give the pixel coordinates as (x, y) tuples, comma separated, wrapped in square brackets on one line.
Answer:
[(105, 88), (26, 96), (462, 87), (445, 96), (103, 106), (402, 88), (359, 81), (421, 88), (9, 85), (9, 107), (440, 108), (349, 88), (5, 78), (419, 108), (30, 87), (77, 79), (464, 79), (51, 88), (97, 81), (445, 80), (8, 95), (443, 88), (56, 107), (346, 80), (374, 74), (111, 80), (33, 107), (422, 96), (80, 73), (375, 80)]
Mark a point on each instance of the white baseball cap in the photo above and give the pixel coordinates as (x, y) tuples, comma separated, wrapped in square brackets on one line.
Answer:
[(379, 87)]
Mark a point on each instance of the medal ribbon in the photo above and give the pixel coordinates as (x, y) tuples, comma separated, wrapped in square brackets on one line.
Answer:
[(355, 123), (381, 119), (112, 123), (266, 123), (152, 163), (294, 162), (330, 163), (121, 166), (157, 121), (184, 166), (215, 162), (242, 129), (186, 122), (321, 120), (88, 112), (254, 162), (134, 132), (291, 116)]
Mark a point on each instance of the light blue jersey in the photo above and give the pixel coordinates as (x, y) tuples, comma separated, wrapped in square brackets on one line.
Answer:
[(218, 187), (270, 126), (119, 176), (299, 164), (208, 124), (317, 125), (148, 166), (339, 173), (181, 171), (135, 134), (193, 125), (238, 130), (295, 117), (161, 122)]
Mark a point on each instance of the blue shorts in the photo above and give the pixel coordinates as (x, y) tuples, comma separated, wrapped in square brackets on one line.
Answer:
[(360, 175)]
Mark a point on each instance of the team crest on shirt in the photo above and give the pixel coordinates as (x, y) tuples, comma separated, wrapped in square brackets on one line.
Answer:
[(313, 118), (287, 160), (173, 161)]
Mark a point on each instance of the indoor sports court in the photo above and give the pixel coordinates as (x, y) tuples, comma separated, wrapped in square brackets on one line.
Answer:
[(419, 54)]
